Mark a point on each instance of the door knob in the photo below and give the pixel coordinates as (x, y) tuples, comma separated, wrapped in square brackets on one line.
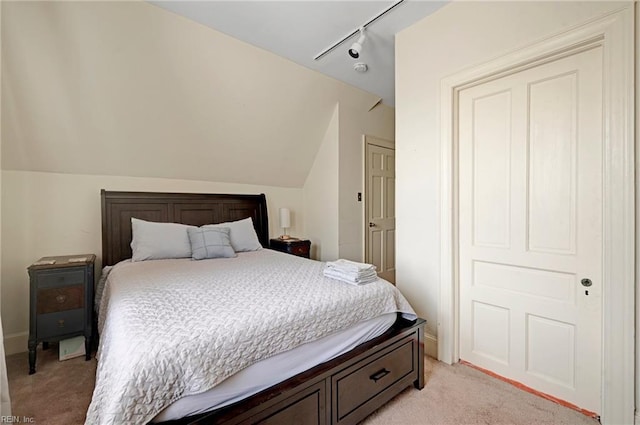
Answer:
[(372, 225), (586, 282)]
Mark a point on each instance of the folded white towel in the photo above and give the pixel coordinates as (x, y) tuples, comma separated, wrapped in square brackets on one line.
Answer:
[(350, 266), (352, 278)]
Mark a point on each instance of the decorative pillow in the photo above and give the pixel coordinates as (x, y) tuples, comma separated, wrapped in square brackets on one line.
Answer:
[(242, 234), (210, 242), (157, 241)]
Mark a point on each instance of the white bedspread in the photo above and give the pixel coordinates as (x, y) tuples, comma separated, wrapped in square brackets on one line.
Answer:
[(171, 328)]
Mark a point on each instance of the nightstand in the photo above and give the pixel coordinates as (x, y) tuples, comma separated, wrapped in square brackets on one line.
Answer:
[(299, 247), (61, 301)]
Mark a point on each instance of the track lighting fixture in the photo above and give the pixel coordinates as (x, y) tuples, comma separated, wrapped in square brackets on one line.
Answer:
[(356, 47)]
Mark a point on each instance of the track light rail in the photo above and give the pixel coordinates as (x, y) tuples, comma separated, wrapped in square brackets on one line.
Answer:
[(357, 30)]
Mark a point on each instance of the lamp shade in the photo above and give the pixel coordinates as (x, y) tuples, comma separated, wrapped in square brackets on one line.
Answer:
[(285, 218)]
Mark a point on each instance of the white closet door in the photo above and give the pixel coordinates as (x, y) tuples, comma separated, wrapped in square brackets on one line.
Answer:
[(530, 227)]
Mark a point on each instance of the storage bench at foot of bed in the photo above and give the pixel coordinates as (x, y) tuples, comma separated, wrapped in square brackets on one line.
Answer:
[(344, 390)]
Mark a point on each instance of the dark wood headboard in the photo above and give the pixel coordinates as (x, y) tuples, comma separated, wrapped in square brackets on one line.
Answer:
[(195, 209)]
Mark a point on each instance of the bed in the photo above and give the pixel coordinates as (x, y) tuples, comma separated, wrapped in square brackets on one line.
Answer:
[(344, 388)]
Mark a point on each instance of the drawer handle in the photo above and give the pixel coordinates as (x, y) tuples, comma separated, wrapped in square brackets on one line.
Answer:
[(379, 375), (61, 299), (61, 323)]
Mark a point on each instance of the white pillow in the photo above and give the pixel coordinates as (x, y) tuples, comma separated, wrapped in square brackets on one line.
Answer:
[(242, 234), (156, 241)]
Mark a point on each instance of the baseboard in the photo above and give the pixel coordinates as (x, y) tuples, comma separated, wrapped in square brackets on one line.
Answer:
[(16, 343), (636, 420), (431, 346)]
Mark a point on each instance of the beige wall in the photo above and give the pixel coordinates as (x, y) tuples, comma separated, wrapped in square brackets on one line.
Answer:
[(458, 36), (321, 196), (58, 214), (354, 124), (156, 95), (334, 218)]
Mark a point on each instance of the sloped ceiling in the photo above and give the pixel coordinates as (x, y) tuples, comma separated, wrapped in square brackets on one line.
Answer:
[(127, 88), (300, 30)]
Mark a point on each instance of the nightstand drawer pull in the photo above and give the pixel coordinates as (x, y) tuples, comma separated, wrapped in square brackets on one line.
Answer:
[(61, 323), (61, 299), (379, 375)]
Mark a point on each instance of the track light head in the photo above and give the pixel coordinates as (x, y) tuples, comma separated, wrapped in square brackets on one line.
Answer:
[(354, 51), (356, 47)]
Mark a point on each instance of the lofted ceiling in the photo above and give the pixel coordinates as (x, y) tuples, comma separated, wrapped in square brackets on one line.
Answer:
[(300, 30), (129, 89)]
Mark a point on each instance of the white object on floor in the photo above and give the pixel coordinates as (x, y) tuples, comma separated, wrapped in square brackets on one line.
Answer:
[(70, 348)]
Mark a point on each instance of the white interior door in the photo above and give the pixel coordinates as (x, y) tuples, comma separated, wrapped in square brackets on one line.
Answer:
[(530, 227), (380, 212)]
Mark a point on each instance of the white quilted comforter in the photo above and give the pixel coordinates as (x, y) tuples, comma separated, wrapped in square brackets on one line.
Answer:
[(172, 328)]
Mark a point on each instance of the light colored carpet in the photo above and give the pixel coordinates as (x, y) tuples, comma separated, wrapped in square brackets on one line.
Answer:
[(461, 395), (59, 394)]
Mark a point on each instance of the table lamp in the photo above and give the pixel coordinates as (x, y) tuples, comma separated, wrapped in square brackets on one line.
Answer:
[(285, 222)]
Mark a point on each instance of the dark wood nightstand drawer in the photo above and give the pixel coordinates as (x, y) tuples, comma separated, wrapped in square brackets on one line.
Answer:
[(51, 300), (300, 250), (299, 247), (355, 387), (60, 278), (64, 322)]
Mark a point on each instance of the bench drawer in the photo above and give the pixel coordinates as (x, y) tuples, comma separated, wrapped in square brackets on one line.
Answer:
[(367, 379), (304, 408)]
